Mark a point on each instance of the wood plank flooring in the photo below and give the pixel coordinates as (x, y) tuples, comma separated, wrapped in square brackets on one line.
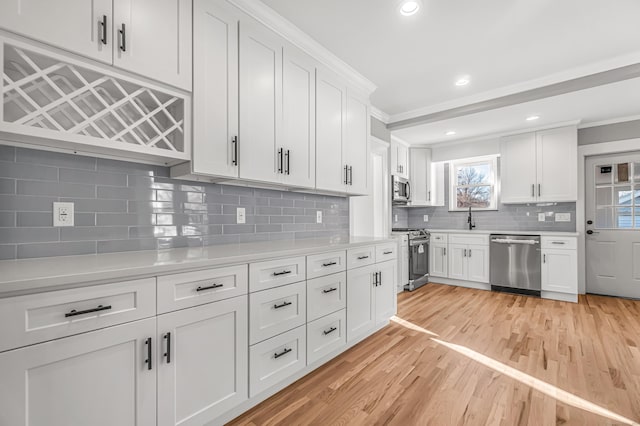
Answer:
[(493, 359)]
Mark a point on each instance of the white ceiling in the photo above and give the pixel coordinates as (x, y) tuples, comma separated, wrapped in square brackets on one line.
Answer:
[(503, 45)]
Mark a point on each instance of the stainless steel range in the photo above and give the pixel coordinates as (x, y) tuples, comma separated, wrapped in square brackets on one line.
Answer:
[(417, 262)]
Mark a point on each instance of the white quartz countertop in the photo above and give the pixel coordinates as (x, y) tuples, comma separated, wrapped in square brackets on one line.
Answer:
[(489, 231), (33, 275)]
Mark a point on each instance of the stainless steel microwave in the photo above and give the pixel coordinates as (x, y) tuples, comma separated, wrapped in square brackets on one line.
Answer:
[(401, 193)]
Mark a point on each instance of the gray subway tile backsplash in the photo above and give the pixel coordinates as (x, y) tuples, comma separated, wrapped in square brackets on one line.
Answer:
[(122, 206)]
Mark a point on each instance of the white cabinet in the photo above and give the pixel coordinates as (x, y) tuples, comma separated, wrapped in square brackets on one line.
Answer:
[(202, 362), (468, 257), (385, 291), (559, 266), (400, 159), (438, 260), (103, 378), (355, 148), (540, 166), (427, 179), (478, 263), (148, 37)]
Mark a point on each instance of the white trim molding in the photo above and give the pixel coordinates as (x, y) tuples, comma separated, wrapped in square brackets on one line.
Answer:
[(610, 121), (396, 139), (379, 114), (299, 38)]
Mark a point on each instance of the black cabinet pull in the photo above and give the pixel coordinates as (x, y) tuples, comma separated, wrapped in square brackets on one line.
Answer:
[(284, 352), (286, 156), (329, 264), (387, 252), (234, 160), (275, 274), (350, 175), (209, 287), (331, 330), (362, 257), (149, 353), (123, 38), (375, 279), (279, 160), (73, 313), (282, 305), (380, 278), (167, 354), (329, 290), (103, 24)]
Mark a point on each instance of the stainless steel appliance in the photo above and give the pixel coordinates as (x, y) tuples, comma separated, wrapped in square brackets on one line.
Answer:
[(418, 261), (515, 263), (401, 194)]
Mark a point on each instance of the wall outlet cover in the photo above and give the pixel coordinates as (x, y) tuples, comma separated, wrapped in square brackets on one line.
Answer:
[(240, 215), (63, 214), (395, 217), (541, 217), (563, 217), (425, 218), (319, 216)]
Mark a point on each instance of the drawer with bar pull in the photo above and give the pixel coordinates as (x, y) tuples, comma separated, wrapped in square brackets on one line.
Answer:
[(274, 273), (179, 291), (361, 256), (34, 318), (326, 294), (322, 264), (326, 335), (276, 310), (386, 252), (566, 243)]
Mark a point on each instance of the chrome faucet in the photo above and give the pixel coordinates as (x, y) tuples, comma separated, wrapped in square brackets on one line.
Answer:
[(470, 220)]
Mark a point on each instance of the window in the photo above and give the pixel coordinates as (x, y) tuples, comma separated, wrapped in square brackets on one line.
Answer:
[(617, 196), (473, 184)]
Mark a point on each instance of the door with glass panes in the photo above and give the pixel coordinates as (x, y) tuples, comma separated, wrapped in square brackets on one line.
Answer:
[(612, 199)]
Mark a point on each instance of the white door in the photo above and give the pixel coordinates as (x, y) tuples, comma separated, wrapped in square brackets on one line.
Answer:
[(261, 153), (299, 118), (457, 257), (215, 89), (360, 301), (101, 378), (355, 148), (330, 128), (559, 271), (385, 291), (518, 168), (478, 263), (613, 225), (203, 362), (74, 25), (438, 260), (153, 38), (557, 165)]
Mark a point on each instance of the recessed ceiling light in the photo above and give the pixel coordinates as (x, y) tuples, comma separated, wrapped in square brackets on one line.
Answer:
[(462, 81), (409, 7), (450, 133), (532, 118)]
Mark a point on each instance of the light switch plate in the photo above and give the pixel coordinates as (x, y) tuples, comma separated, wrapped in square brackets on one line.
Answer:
[(541, 217), (240, 215), (63, 214), (563, 217), (319, 216), (425, 218)]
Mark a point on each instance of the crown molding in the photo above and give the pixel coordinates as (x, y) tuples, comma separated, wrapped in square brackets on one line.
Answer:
[(610, 121), (379, 114), (302, 40)]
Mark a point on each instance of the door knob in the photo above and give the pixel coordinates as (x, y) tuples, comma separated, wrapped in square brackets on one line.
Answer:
[(589, 232), (589, 222)]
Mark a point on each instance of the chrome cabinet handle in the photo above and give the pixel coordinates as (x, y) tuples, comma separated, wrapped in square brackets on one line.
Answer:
[(557, 242), (209, 287), (74, 313), (331, 330), (284, 352), (282, 305)]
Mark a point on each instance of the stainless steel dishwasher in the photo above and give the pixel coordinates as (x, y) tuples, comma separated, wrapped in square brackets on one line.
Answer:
[(515, 263)]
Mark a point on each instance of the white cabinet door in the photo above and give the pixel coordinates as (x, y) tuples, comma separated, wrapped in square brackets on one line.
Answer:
[(518, 168), (557, 171), (421, 186), (330, 128), (100, 378), (153, 38), (438, 260), (559, 271), (457, 256), (299, 118), (395, 165), (385, 291), (261, 156), (403, 161), (215, 89), (355, 147), (203, 362), (478, 263), (73, 25), (360, 301)]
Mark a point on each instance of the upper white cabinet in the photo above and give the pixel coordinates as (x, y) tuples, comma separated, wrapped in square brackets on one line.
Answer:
[(540, 166), (427, 179), (148, 37), (400, 159), (355, 147)]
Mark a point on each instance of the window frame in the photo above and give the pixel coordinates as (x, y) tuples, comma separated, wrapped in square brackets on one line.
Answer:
[(492, 161)]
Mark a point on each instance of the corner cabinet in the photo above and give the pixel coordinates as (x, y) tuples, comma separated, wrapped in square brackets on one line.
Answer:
[(540, 166)]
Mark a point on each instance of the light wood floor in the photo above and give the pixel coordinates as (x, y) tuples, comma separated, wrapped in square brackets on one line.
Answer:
[(494, 359)]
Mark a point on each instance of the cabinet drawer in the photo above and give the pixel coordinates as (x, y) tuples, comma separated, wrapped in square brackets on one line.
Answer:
[(386, 252), (326, 335), (34, 318), (361, 256), (439, 238), (276, 359), (326, 295), (180, 291), (276, 310), (274, 273), (479, 240), (322, 264), (567, 243)]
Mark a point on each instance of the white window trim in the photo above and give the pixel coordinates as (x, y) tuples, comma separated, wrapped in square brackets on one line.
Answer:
[(493, 160)]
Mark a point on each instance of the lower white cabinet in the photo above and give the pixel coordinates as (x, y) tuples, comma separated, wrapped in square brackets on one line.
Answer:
[(202, 362), (559, 265), (276, 310), (325, 295), (385, 294), (468, 262), (103, 378), (438, 260), (326, 335)]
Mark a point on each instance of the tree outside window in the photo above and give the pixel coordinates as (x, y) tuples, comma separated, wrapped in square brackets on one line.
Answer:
[(473, 184)]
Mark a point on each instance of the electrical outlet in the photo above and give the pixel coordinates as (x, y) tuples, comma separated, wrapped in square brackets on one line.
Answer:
[(425, 218), (240, 215), (541, 217), (563, 217), (319, 216), (395, 217), (62, 214)]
